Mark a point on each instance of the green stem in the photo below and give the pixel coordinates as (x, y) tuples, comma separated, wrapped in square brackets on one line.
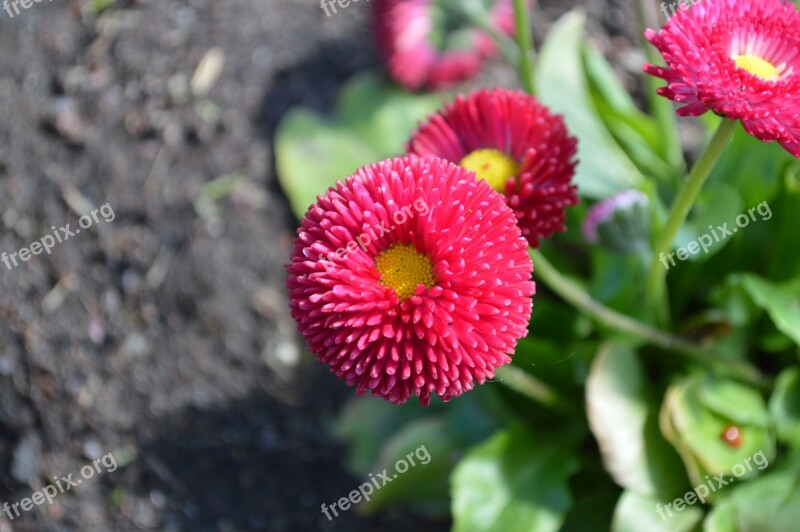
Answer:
[(572, 293), (655, 289), (525, 42), (530, 386), (581, 300)]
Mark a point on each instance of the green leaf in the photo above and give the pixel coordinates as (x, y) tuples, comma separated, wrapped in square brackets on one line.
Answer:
[(205, 203), (637, 133), (752, 167), (721, 519), (98, 6), (379, 433), (470, 420), (549, 360), (374, 120), (784, 406), (698, 410), (623, 420), (765, 504), (635, 512), (734, 401), (312, 154), (223, 186), (366, 423), (591, 514), (783, 246), (617, 278), (781, 301), (383, 114), (604, 80), (514, 482), (424, 485), (717, 205), (562, 84)]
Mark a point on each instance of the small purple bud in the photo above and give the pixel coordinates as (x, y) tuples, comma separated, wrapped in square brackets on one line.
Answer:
[(620, 222)]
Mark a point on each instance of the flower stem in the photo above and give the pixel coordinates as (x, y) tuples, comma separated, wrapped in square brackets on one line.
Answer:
[(530, 386), (525, 42), (577, 297), (574, 294), (655, 289)]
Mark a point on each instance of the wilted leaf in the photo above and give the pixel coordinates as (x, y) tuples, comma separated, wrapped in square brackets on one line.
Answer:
[(637, 513), (623, 421)]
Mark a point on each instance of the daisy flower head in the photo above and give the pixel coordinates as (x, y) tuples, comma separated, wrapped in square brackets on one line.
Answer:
[(739, 59), (515, 144), (411, 277), (433, 43)]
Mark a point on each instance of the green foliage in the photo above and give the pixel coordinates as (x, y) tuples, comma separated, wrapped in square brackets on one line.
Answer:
[(699, 410), (769, 503), (781, 301), (784, 406), (515, 481), (623, 418), (635, 512), (562, 84), (380, 434), (372, 122), (637, 425)]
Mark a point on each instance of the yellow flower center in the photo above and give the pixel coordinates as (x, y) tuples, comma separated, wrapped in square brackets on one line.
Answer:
[(402, 268), (493, 166), (757, 66)]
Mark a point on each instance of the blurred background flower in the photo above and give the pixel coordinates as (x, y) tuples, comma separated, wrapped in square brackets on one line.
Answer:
[(436, 43)]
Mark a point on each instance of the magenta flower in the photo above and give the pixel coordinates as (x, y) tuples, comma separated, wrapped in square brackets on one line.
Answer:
[(512, 141), (411, 278), (431, 44), (739, 59)]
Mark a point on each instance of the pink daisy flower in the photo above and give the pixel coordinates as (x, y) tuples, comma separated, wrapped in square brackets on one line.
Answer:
[(411, 277), (738, 58), (429, 43), (514, 143)]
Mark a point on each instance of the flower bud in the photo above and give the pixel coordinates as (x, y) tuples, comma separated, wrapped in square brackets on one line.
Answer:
[(620, 223)]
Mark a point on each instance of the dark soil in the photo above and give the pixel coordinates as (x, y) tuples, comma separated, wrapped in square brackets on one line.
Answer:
[(163, 336)]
